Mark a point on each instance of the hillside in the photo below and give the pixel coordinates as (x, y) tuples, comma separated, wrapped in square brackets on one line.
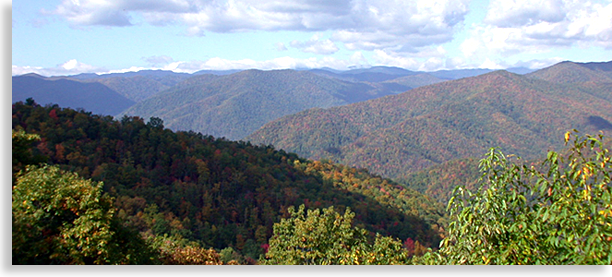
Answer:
[(94, 97), (570, 72), (396, 135), (216, 192), (235, 105)]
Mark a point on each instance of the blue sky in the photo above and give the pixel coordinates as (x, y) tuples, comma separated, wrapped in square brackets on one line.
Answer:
[(64, 37)]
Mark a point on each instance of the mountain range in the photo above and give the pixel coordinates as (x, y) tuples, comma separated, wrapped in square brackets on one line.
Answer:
[(400, 134), (235, 103), (233, 106), (385, 142), (237, 109)]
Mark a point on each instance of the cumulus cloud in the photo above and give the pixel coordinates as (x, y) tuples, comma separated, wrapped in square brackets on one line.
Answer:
[(536, 26), (514, 13), (117, 12), (280, 46), (403, 33), (316, 45), (516, 27), (360, 24), (404, 26)]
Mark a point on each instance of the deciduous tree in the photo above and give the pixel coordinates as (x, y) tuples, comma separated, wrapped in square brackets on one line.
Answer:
[(325, 237), (559, 212), (60, 218)]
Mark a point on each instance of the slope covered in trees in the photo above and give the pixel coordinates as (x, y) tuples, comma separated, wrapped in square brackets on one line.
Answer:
[(570, 72), (235, 105), (215, 192), (400, 134)]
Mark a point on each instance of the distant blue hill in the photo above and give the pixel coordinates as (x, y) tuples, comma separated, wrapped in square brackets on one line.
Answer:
[(94, 97)]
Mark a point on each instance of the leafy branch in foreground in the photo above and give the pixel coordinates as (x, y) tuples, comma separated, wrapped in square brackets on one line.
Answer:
[(557, 213), (61, 218)]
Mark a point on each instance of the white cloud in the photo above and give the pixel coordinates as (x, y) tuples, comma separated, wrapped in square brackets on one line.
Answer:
[(360, 24), (277, 63), (117, 12), (537, 64), (392, 59), (536, 26), (358, 60), (280, 46), (515, 13), (399, 32), (489, 64), (74, 67), (70, 67), (529, 28), (316, 45)]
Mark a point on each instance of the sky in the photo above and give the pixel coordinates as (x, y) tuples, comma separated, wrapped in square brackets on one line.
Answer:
[(66, 37)]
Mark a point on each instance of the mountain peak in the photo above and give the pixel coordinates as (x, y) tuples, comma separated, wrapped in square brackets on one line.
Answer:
[(32, 75)]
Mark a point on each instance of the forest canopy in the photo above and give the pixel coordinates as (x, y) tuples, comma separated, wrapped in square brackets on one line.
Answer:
[(192, 190)]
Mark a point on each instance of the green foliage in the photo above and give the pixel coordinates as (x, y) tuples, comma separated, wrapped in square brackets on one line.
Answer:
[(22, 149), (557, 213), (414, 216), (316, 237), (439, 181), (175, 250), (216, 192), (60, 218)]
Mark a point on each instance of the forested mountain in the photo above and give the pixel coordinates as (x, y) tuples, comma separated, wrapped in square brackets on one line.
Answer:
[(570, 73), (371, 74), (135, 88), (231, 103), (215, 192), (94, 97), (396, 135), (235, 105)]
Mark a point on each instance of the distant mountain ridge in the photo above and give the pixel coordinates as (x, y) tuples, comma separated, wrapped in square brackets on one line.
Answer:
[(417, 129), (139, 85), (570, 72), (93, 97), (235, 105), (136, 87)]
